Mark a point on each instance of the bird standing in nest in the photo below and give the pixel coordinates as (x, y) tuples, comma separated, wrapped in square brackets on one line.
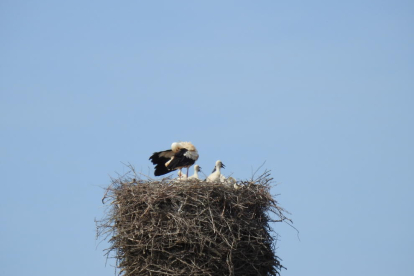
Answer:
[(181, 155), (216, 176), (197, 169)]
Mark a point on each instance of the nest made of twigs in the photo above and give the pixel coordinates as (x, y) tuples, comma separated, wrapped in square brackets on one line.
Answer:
[(191, 227)]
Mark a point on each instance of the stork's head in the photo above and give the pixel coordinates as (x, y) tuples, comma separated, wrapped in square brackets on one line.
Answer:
[(175, 147), (219, 164), (197, 168)]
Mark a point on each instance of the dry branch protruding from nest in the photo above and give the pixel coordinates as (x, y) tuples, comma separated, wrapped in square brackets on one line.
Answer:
[(191, 227)]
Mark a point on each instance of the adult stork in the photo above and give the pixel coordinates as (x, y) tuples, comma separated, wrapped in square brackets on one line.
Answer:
[(181, 155)]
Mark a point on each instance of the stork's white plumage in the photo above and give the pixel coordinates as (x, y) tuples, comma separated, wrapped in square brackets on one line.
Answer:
[(181, 155), (197, 168), (233, 181), (216, 176)]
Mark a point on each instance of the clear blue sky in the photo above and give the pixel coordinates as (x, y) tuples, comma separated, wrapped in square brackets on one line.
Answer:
[(323, 91)]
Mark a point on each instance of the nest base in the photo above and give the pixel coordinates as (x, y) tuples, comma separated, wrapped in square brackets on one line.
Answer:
[(191, 228)]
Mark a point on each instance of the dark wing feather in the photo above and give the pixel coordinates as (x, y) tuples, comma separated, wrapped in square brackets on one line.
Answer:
[(161, 156), (159, 159), (180, 160), (161, 169)]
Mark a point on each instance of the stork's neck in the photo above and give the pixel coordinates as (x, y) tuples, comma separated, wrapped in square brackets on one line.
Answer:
[(218, 168)]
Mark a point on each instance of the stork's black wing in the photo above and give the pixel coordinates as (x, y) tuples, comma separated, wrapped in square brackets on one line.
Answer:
[(159, 159), (180, 160)]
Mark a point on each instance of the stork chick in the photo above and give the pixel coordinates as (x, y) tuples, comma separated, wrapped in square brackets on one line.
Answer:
[(216, 176), (197, 169)]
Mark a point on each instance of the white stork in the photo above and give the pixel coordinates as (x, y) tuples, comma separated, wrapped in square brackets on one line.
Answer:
[(216, 176), (181, 155), (197, 169)]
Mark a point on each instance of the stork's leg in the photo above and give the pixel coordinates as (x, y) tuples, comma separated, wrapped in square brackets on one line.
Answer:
[(187, 171)]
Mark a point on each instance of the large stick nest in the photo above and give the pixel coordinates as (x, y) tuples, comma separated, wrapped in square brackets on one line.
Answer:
[(191, 227)]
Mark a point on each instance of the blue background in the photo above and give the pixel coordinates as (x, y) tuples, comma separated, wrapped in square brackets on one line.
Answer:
[(320, 90)]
